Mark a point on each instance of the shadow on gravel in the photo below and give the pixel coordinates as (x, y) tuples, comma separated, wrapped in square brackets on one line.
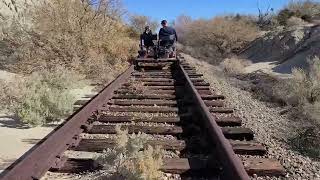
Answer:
[(307, 142)]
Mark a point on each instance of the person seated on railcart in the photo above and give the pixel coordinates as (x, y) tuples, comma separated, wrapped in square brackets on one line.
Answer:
[(167, 38), (146, 40)]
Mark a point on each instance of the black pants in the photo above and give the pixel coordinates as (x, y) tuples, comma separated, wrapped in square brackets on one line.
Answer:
[(166, 44)]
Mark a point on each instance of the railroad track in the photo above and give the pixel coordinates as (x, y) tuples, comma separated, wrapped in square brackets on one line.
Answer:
[(174, 101)]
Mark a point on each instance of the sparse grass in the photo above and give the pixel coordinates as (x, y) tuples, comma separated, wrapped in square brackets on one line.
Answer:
[(234, 66), (219, 37), (132, 158)]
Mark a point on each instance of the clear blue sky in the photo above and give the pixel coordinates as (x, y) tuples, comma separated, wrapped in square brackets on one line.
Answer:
[(170, 9)]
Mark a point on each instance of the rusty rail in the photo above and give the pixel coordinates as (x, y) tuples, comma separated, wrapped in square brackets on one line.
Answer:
[(232, 166), (37, 161)]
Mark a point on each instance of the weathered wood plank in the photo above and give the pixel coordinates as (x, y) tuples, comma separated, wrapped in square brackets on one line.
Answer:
[(153, 76), (212, 97), (238, 133), (98, 145), (184, 165), (214, 103), (248, 148), (162, 87), (221, 110), (264, 167), (110, 118), (228, 121), (170, 165), (144, 96), (143, 102), (258, 166), (146, 91), (195, 75), (154, 80), (110, 129), (143, 109)]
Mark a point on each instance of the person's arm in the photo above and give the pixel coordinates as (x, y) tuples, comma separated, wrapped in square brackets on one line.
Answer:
[(141, 41), (175, 33), (160, 33)]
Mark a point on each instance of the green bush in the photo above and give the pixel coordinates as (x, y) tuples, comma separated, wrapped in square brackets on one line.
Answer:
[(43, 97)]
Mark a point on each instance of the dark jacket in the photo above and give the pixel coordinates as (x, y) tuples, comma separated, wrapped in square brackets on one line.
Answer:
[(147, 39), (166, 32)]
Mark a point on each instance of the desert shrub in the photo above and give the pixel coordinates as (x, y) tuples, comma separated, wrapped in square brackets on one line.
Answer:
[(10, 94), (138, 23), (219, 37), (86, 36), (128, 160), (283, 16), (306, 141), (304, 10), (42, 97), (303, 87), (234, 66), (295, 91)]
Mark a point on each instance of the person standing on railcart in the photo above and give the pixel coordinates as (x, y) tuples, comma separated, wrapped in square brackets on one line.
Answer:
[(146, 39), (167, 36)]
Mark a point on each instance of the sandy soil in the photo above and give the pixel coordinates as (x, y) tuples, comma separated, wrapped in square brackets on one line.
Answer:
[(265, 67), (7, 76), (271, 128), (15, 139)]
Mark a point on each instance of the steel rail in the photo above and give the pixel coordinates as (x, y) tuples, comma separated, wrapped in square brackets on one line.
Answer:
[(232, 165), (47, 154)]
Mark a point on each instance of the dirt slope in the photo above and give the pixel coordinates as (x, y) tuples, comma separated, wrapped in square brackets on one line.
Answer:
[(285, 49)]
